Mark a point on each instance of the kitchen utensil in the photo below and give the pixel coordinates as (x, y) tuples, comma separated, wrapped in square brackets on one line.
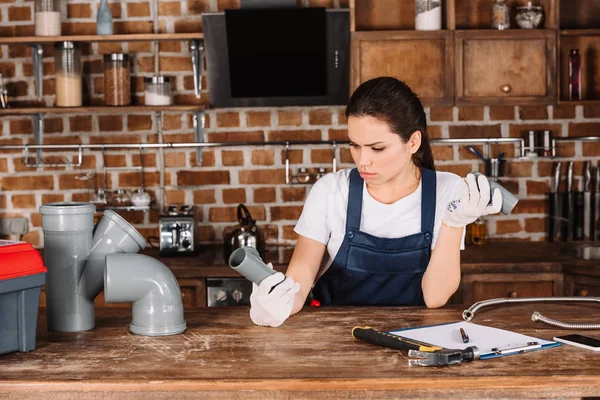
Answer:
[(555, 205), (247, 234), (494, 167), (476, 152), (596, 209), (177, 229), (587, 200), (509, 200), (567, 212)]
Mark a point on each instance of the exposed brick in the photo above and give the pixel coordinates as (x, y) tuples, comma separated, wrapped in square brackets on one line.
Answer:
[(170, 47), (530, 206), (263, 157), (474, 131), (441, 114), (175, 196), (206, 234), (346, 156), (545, 168), (3, 165), (227, 4), (196, 7), (458, 169), (305, 135), (533, 112), (114, 139), (502, 113), (442, 153), (172, 122), (204, 196), (279, 213), (133, 179), (229, 214), (518, 130), (231, 196), (145, 64), (258, 118), (174, 160), (465, 154), (319, 117), (32, 237), (566, 149), (338, 134), (19, 13), (510, 185), (563, 111), (232, 158), (293, 194), (508, 226), (591, 111), (170, 9), (537, 187), (289, 118), (7, 70), (188, 26), (269, 232), (23, 201), (79, 10), (342, 119), (584, 129), (179, 137), (121, 27), (173, 63), (227, 137), (80, 123), (21, 126), (110, 123), (197, 178), (294, 156), (228, 119), (288, 232), (139, 122), (115, 160), (149, 160), (519, 169), (52, 198), (262, 176), (470, 114), (2, 201), (208, 158), (79, 28), (591, 149), (36, 219), (264, 195), (535, 225), (53, 125), (17, 89), (321, 156), (22, 182), (435, 132), (138, 9)]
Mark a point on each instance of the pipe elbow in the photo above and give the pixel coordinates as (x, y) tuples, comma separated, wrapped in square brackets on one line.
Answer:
[(157, 309)]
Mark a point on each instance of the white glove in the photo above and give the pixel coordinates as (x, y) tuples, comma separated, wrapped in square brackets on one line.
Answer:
[(272, 309), (474, 202)]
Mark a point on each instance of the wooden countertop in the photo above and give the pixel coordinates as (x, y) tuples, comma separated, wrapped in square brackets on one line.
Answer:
[(223, 355), (492, 257)]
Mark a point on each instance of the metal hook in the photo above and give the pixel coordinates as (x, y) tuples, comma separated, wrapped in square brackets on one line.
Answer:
[(287, 163), (334, 157)]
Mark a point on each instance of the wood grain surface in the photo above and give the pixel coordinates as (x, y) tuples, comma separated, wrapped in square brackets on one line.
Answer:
[(223, 355)]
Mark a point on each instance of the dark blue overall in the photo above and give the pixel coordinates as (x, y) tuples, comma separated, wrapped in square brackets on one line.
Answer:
[(368, 270)]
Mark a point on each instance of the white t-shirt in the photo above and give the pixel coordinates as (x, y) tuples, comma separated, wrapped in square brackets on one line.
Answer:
[(324, 214)]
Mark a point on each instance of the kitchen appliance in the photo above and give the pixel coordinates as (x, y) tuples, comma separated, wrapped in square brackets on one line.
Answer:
[(247, 234), (177, 227), (222, 292)]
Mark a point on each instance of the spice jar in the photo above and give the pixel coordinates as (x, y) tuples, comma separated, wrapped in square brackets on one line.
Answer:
[(67, 63), (157, 91), (500, 15), (120, 198), (47, 18), (117, 82), (428, 15), (530, 16)]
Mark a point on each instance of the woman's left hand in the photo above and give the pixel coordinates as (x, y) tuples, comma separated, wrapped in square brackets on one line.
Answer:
[(474, 202)]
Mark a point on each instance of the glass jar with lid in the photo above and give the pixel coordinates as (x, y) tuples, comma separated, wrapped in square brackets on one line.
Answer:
[(500, 15), (117, 81), (120, 198), (47, 18), (67, 63), (157, 91)]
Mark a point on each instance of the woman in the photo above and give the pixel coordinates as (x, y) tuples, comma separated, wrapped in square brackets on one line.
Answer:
[(391, 228)]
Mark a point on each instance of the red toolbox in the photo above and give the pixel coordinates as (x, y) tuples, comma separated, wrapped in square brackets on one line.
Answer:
[(22, 275)]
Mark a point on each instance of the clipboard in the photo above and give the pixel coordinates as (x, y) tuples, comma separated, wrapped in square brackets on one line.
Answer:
[(491, 342)]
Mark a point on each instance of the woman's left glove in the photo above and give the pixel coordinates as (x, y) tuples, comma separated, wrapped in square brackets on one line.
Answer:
[(474, 202)]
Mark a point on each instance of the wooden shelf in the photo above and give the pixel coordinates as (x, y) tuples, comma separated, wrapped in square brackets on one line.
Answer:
[(137, 37), (580, 102), (98, 109), (580, 32)]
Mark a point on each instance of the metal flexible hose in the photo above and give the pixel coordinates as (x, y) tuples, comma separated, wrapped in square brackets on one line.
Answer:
[(469, 313)]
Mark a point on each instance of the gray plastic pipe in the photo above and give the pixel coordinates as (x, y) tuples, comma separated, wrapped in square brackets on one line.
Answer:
[(246, 260), (75, 260), (151, 287)]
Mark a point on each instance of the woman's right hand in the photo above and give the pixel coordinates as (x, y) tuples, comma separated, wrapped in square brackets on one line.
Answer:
[(272, 309)]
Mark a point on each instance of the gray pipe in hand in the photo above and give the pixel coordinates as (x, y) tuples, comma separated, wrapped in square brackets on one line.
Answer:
[(509, 200), (246, 260)]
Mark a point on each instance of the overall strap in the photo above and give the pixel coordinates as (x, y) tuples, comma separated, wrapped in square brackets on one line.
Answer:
[(355, 196), (428, 196)]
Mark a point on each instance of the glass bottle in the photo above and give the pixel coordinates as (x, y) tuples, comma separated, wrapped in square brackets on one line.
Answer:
[(104, 20), (574, 75), (67, 61), (479, 232), (500, 15), (157, 91), (428, 15), (117, 83), (47, 18)]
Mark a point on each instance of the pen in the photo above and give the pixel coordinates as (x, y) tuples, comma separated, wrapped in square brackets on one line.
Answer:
[(465, 338)]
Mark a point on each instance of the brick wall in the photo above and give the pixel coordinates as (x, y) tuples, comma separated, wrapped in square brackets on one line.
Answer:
[(230, 175)]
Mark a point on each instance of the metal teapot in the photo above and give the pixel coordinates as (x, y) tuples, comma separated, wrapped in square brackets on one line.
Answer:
[(247, 234)]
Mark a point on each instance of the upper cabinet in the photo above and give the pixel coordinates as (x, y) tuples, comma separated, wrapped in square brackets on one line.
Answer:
[(469, 63)]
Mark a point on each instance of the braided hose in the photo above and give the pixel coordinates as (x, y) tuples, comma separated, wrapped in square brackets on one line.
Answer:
[(470, 312)]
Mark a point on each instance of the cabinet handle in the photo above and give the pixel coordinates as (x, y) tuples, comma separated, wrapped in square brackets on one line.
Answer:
[(513, 294), (581, 292), (506, 88)]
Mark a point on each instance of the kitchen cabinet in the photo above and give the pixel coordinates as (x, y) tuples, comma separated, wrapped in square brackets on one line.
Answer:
[(582, 281), (513, 67), (400, 54), (476, 287)]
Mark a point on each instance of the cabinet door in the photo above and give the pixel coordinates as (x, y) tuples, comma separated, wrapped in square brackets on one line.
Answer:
[(582, 285), (505, 67), (193, 292), (423, 60), (477, 287)]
